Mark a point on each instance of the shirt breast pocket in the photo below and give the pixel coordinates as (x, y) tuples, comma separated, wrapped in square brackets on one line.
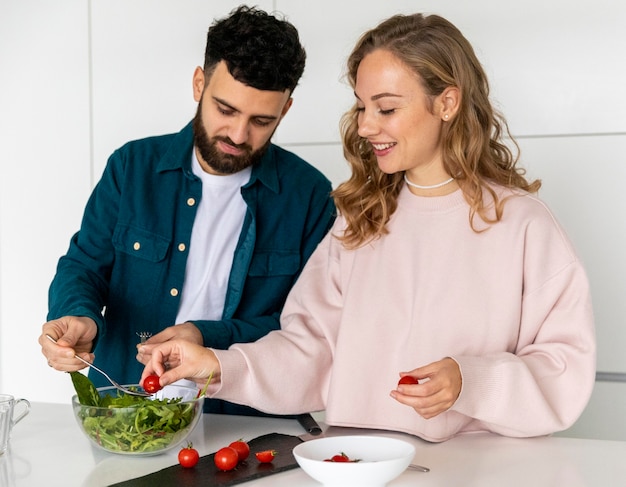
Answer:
[(270, 277), (140, 243), (268, 264), (141, 265)]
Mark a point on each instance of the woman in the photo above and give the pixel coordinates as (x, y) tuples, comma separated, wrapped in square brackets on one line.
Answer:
[(442, 266)]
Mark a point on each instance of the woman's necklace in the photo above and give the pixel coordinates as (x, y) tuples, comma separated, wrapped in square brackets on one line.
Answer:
[(427, 187)]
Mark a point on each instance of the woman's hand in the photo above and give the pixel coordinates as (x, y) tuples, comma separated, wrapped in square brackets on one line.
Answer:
[(184, 331), (178, 359), (439, 388)]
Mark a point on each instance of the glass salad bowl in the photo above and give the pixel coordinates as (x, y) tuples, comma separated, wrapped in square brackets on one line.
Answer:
[(132, 425)]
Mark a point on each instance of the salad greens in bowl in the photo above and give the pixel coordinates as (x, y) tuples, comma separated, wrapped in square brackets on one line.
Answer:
[(133, 425)]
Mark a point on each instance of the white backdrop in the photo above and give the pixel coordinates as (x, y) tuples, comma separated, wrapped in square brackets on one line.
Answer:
[(78, 78)]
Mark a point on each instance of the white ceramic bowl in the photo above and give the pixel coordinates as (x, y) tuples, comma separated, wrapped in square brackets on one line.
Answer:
[(381, 460)]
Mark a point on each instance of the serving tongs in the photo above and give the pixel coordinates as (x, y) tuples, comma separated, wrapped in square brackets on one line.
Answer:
[(125, 390)]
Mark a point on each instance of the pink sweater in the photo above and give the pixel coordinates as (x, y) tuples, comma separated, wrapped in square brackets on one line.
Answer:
[(511, 305)]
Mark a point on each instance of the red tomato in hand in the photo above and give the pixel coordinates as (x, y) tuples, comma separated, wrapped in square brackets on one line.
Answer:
[(151, 384), (188, 456), (407, 379), (265, 456), (242, 449), (226, 458)]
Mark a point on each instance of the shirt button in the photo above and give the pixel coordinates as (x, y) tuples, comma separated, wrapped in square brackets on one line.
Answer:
[(191, 201), (136, 246), (174, 292), (181, 247)]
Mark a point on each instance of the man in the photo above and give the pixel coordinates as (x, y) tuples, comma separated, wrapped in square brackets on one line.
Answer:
[(207, 229)]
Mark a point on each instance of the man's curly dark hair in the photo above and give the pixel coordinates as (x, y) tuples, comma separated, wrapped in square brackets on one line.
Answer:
[(260, 50)]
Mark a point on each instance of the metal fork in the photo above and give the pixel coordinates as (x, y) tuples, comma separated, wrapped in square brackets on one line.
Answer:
[(125, 390), (144, 335)]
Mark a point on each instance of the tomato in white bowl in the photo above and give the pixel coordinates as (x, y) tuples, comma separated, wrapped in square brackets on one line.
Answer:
[(373, 461)]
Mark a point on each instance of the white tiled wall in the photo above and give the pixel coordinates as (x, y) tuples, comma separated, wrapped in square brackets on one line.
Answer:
[(143, 55), (45, 174), (554, 66), (582, 182), (78, 78)]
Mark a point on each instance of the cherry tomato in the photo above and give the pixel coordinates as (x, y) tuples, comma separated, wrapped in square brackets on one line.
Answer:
[(341, 458), (151, 384), (242, 449), (265, 456), (188, 456), (407, 379), (226, 458)]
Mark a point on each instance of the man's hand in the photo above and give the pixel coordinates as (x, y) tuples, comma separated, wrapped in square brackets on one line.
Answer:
[(74, 335)]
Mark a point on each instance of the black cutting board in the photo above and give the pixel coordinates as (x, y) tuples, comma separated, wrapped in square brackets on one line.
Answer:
[(205, 473)]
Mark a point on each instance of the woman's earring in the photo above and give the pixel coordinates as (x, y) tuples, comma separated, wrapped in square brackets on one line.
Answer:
[(446, 116)]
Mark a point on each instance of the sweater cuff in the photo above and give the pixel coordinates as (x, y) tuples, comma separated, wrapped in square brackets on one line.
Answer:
[(487, 385), (232, 366), (475, 385)]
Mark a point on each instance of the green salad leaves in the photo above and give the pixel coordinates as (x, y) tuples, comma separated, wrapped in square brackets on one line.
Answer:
[(85, 390), (131, 424)]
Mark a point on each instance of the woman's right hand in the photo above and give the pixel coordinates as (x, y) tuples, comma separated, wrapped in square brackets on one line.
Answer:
[(178, 359)]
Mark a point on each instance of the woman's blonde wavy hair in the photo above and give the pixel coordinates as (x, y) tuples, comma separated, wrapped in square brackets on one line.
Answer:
[(472, 145)]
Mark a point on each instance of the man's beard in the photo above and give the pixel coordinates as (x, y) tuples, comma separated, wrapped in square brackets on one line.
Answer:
[(217, 160)]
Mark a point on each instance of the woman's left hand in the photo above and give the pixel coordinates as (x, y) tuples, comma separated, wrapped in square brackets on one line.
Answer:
[(439, 388)]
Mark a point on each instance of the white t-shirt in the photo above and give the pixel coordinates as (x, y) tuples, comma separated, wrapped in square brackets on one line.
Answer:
[(214, 236)]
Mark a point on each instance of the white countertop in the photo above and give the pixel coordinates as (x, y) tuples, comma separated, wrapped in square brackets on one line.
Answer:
[(47, 448)]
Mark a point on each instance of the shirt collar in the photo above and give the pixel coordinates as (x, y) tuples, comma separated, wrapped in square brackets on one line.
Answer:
[(266, 171), (178, 156)]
